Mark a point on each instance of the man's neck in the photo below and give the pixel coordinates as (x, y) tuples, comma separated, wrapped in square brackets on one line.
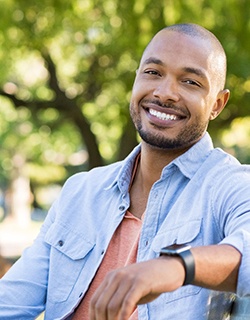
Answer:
[(149, 169), (153, 161)]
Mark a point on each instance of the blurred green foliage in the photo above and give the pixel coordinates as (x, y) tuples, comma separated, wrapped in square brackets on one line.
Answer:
[(67, 70)]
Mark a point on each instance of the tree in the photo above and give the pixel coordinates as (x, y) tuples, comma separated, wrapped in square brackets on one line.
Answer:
[(67, 70)]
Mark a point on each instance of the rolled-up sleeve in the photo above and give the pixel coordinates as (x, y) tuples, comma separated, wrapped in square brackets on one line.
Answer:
[(241, 241)]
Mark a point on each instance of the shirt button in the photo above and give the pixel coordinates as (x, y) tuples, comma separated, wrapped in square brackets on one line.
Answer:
[(122, 208), (60, 243)]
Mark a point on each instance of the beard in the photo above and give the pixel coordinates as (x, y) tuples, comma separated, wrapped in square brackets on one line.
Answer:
[(185, 138)]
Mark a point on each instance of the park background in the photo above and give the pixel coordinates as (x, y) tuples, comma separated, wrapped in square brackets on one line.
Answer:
[(66, 73)]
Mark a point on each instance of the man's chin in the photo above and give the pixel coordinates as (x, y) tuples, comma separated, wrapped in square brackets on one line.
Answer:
[(162, 144)]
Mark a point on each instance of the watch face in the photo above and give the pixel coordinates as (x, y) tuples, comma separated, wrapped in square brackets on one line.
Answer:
[(175, 248)]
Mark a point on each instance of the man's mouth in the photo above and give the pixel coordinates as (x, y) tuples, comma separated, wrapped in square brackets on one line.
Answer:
[(162, 115)]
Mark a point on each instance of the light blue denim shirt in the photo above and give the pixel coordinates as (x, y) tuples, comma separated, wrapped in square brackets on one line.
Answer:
[(202, 197)]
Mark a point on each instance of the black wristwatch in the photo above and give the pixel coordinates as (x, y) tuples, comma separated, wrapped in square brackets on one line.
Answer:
[(182, 251)]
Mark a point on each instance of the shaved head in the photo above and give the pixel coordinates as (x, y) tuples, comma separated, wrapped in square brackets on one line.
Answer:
[(197, 31), (179, 87)]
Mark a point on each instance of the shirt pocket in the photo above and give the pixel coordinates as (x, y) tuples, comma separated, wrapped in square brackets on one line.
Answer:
[(189, 233), (69, 251)]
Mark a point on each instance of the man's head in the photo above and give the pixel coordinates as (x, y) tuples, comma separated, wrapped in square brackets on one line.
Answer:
[(179, 86), (196, 31)]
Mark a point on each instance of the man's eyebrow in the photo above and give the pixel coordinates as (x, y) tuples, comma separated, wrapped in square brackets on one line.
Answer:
[(196, 71), (191, 70), (153, 60)]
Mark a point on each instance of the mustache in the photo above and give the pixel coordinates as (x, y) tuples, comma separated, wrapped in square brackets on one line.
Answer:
[(165, 105)]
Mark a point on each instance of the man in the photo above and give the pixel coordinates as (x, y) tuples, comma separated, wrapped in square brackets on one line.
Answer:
[(173, 189)]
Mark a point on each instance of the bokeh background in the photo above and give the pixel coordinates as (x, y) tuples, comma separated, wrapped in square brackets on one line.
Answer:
[(66, 73)]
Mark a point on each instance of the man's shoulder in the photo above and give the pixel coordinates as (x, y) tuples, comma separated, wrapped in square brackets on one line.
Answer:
[(226, 160), (106, 174), (222, 165), (97, 175)]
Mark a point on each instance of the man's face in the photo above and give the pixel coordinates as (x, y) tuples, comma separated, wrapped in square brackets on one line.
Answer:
[(175, 91)]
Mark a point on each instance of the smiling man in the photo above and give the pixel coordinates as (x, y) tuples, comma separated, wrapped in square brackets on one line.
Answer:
[(179, 87), (148, 237)]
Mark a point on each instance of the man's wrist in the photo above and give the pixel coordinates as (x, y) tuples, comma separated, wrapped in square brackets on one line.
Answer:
[(189, 266), (185, 254)]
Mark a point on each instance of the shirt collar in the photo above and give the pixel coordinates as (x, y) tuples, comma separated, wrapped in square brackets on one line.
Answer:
[(188, 163), (122, 179)]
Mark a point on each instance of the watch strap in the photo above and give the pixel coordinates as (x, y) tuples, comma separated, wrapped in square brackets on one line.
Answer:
[(189, 266)]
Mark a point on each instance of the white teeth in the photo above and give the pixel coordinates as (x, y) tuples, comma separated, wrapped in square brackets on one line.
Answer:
[(161, 115)]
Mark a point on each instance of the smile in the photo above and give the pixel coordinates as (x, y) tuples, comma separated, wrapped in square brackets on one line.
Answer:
[(162, 115)]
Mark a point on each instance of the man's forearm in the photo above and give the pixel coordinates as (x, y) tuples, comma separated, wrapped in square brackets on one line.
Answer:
[(216, 267)]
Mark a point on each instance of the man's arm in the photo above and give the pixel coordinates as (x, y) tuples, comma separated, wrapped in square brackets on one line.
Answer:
[(216, 267)]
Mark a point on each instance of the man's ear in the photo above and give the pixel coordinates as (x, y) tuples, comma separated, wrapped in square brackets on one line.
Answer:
[(222, 99)]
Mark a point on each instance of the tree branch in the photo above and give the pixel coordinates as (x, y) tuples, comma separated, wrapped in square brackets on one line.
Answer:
[(69, 107), (31, 104)]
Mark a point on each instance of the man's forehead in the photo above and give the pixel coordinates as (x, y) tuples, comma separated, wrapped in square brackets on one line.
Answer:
[(176, 40), (177, 46)]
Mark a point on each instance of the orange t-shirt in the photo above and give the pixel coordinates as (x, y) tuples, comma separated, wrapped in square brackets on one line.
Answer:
[(122, 251)]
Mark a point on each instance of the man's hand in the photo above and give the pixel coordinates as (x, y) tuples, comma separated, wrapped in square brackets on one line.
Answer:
[(216, 267), (139, 283)]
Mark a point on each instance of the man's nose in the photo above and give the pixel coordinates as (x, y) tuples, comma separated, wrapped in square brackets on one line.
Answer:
[(167, 90)]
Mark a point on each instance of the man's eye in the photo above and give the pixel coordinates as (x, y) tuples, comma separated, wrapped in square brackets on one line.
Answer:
[(192, 82), (153, 72)]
